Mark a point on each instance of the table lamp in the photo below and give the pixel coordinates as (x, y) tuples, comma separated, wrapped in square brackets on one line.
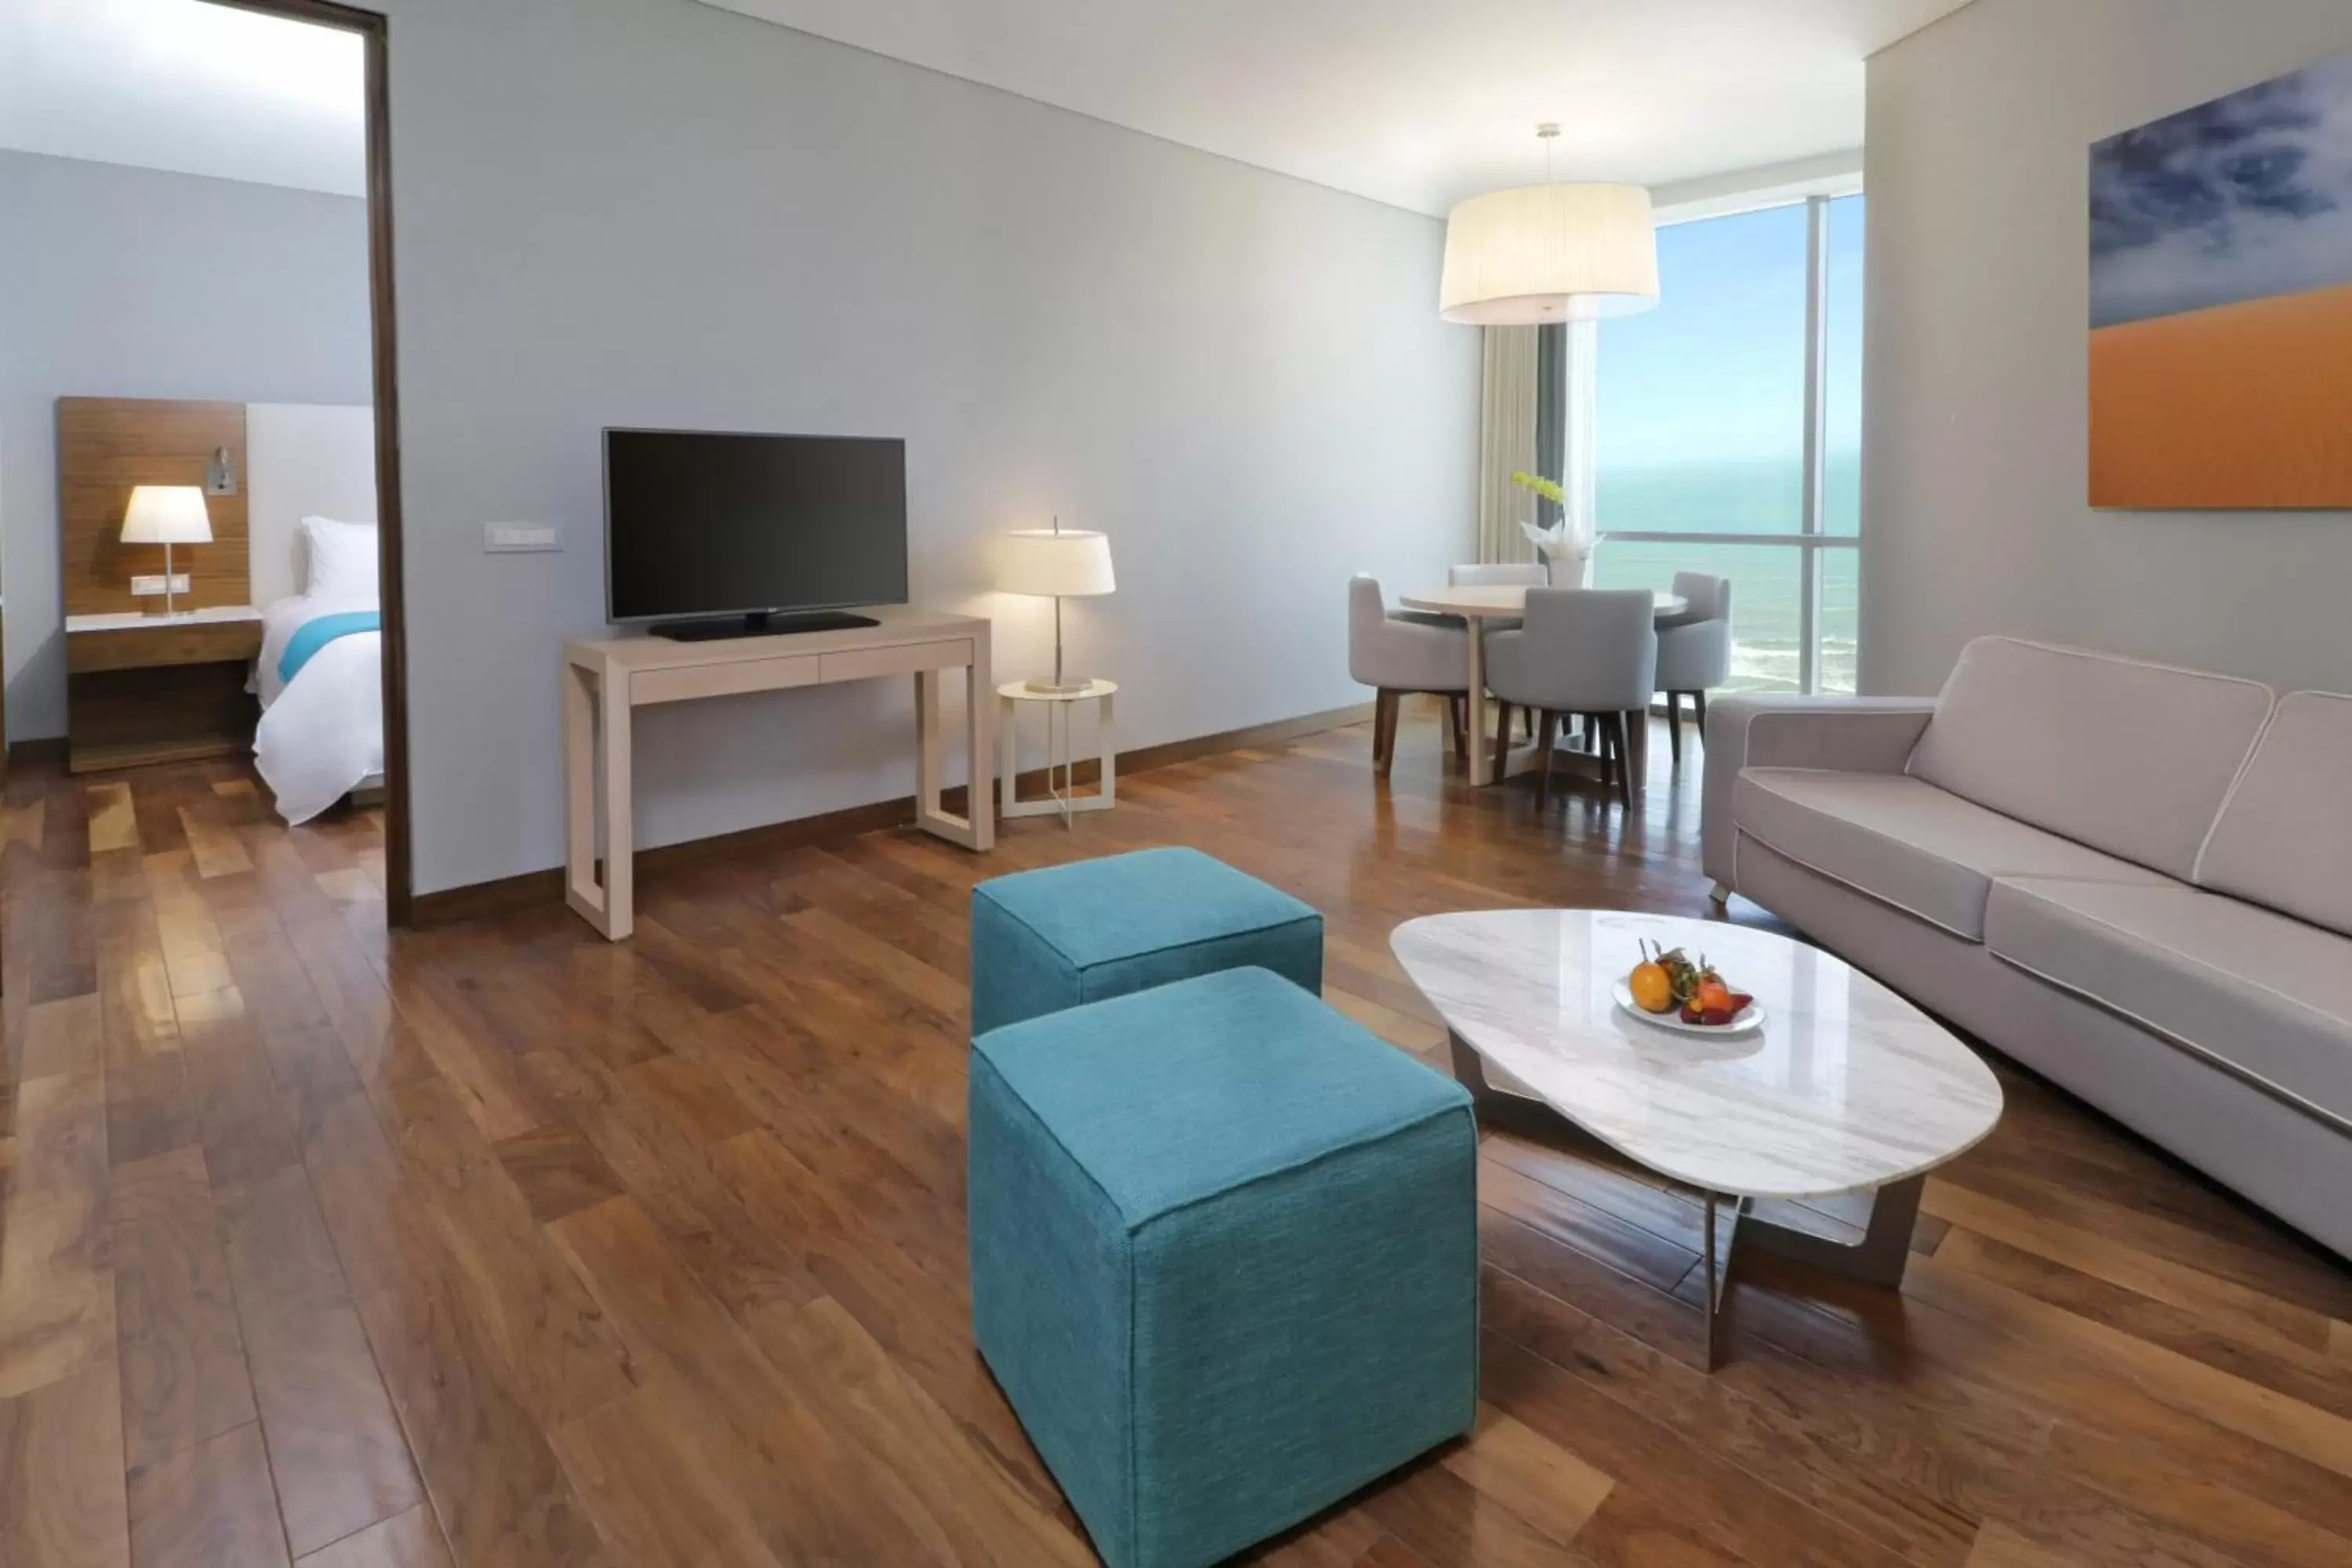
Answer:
[(1052, 563), (167, 515)]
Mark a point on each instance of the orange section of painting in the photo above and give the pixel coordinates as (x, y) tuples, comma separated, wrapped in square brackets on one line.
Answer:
[(2240, 406)]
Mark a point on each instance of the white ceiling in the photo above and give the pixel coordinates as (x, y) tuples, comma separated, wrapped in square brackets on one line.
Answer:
[(181, 85), (1414, 102), (1417, 102)]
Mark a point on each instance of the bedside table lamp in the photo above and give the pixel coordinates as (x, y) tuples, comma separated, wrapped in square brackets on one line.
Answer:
[(167, 515), (1051, 563)]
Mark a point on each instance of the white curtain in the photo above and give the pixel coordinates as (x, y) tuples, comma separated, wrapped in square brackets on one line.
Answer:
[(1580, 466), (1507, 442), (1511, 402)]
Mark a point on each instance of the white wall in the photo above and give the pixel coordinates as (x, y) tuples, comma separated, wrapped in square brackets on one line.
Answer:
[(654, 213), (1975, 466), (303, 460), (123, 282)]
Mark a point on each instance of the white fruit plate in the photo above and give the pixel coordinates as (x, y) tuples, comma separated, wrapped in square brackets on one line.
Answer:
[(1746, 1021)]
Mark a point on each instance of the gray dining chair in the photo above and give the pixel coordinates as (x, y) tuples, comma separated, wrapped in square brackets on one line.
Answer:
[(1693, 651), (1396, 657), (1583, 651), (1503, 574)]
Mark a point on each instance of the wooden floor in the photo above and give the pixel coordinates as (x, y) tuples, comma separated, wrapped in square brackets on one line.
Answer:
[(499, 1245)]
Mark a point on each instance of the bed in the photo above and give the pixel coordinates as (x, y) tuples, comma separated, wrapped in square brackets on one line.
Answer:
[(321, 676)]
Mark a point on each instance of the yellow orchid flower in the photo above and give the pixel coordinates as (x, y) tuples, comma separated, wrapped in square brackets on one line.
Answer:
[(1550, 490)]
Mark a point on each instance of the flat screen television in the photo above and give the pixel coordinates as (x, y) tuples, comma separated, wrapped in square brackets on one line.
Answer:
[(717, 534)]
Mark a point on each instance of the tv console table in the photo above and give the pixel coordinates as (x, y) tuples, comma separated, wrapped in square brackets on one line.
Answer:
[(605, 680)]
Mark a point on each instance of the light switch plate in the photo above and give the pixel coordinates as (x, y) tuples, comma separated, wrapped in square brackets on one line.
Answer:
[(518, 538), (151, 587)]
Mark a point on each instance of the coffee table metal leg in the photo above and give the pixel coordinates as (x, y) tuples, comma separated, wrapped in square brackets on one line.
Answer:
[(1719, 1275), (1515, 1112), (1878, 1258), (1468, 1070)]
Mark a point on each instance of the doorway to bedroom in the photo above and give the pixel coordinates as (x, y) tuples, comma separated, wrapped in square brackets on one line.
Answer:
[(198, 471)]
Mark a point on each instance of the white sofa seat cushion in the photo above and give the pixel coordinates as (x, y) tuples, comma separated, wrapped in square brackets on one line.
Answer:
[(1904, 842), (2242, 985)]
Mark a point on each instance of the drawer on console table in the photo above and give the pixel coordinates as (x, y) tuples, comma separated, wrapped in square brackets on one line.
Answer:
[(726, 680), (865, 663)]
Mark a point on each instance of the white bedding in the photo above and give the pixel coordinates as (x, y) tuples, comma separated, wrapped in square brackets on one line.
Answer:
[(322, 733)]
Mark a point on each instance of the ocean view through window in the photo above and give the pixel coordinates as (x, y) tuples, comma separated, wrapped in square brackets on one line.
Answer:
[(1732, 415)]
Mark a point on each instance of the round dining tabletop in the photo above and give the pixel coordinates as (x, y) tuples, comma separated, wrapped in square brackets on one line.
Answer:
[(1503, 602)]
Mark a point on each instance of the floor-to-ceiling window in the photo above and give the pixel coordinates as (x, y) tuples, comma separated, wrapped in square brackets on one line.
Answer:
[(1728, 434)]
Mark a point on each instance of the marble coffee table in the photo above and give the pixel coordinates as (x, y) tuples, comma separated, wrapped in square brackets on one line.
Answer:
[(1846, 1089)]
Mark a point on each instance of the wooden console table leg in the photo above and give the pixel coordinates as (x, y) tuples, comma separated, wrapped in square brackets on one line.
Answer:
[(620, 808), (931, 816), (976, 829), (580, 889), (928, 811), (597, 749)]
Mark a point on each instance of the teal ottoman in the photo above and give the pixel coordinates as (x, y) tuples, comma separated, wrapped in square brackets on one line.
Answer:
[(1043, 940), (1224, 1257)]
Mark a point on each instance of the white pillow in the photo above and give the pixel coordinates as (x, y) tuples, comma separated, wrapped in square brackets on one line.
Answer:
[(341, 557)]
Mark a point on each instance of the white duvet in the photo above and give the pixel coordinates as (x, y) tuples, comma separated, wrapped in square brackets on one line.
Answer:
[(322, 733)]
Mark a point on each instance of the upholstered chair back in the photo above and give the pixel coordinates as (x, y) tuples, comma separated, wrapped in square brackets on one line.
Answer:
[(1582, 650), (1695, 647), (1401, 655)]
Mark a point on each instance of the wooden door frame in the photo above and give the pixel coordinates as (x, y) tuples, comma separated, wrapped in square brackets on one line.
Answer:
[(392, 587)]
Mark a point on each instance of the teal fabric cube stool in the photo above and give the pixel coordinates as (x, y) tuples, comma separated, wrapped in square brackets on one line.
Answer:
[(1045, 939), (1224, 1257)]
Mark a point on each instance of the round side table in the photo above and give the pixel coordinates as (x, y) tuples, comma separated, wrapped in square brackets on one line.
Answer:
[(1064, 800)]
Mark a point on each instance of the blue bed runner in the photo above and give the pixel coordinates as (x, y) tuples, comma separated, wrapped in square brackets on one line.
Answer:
[(313, 635)]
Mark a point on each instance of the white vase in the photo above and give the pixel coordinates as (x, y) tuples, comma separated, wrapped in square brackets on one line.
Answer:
[(1570, 568)]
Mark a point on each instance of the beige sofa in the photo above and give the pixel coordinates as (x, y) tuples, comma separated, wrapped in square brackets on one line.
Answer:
[(2134, 880)]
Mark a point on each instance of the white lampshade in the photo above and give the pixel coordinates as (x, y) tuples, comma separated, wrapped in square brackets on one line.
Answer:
[(1549, 253), (1037, 560), (166, 514)]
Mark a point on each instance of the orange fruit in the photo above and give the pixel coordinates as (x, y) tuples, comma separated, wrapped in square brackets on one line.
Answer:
[(1713, 995), (1652, 992)]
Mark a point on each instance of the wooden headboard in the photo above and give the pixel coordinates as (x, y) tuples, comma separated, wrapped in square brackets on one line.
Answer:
[(106, 445)]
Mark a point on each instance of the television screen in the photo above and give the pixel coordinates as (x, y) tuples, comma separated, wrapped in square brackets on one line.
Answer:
[(698, 523)]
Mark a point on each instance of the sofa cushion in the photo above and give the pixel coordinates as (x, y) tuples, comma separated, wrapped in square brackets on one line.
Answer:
[(2240, 984), (2281, 840), (2127, 757), (1907, 842)]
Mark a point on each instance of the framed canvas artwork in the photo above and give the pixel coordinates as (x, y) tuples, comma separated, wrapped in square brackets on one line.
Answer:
[(2221, 301)]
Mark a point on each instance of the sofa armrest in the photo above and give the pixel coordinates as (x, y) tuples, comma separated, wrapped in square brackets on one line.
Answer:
[(1836, 734)]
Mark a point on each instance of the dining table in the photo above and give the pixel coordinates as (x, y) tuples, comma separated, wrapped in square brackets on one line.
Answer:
[(1478, 605)]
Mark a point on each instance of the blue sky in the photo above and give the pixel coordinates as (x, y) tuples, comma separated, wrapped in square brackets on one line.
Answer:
[(2245, 196), (1715, 373)]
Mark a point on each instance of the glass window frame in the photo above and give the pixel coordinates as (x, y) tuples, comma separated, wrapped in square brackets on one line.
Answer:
[(1812, 538)]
